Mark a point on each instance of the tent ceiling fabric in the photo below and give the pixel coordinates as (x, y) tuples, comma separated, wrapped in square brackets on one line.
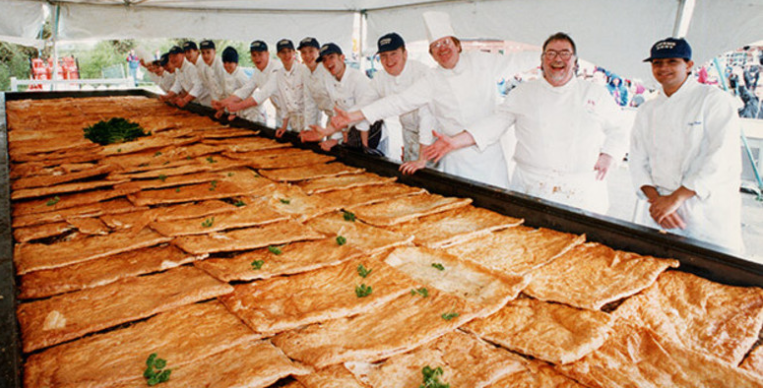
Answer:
[(21, 19)]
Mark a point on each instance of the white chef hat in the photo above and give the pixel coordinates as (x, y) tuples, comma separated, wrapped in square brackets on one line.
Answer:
[(438, 25)]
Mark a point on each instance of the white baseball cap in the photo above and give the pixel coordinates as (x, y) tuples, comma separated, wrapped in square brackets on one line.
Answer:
[(438, 25)]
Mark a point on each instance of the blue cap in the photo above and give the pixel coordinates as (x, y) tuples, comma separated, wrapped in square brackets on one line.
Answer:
[(207, 44), (164, 59), (230, 55), (670, 48), (390, 42), (176, 50), (309, 42), (190, 45), (284, 44), (329, 48), (258, 45)]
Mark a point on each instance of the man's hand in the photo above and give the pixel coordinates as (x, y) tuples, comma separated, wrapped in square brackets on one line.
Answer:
[(603, 165), (235, 106), (328, 144), (441, 147), (316, 133), (280, 132), (409, 168), (663, 209), (217, 105), (181, 102), (341, 118), (219, 114)]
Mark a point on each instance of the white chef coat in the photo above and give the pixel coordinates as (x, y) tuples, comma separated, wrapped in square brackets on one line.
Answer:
[(349, 93), (417, 124), (691, 139), (187, 78), (458, 98), (213, 77), (259, 79), (288, 87), (234, 81), (163, 81), (316, 98), (560, 132)]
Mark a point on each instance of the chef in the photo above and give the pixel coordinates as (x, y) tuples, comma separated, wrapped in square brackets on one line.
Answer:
[(235, 78), (317, 101), (187, 86), (460, 91), (211, 70), (684, 158), (241, 102), (156, 71), (287, 86), (569, 132), (192, 54)]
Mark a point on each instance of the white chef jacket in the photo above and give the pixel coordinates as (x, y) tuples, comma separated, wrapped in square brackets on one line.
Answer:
[(560, 132), (417, 124), (316, 98), (163, 81), (234, 81), (259, 79), (349, 93), (213, 77), (458, 98), (691, 139), (288, 87), (187, 78)]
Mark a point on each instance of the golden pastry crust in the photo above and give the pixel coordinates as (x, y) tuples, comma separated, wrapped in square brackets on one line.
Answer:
[(116, 206), (172, 181), (398, 210), (754, 361), (255, 213), (291, 200), (310, 172), (67, 201), (41, 231), (536, 375), (249, 238), (292, 158), (720, 320), (335, 376), (61, 318), (364, 195), (209, 163), (247, 144), (369, 239), (52, 180), (322, 185), (592, 275), (93, 226)]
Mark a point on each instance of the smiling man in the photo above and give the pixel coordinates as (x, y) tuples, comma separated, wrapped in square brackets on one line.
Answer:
[(684, 157)]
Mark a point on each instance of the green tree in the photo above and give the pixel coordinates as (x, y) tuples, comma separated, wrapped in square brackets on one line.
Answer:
[(14, 62)]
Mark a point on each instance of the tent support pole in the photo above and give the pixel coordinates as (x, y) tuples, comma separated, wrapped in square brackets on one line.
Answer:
[(55, 46), (683, 18)]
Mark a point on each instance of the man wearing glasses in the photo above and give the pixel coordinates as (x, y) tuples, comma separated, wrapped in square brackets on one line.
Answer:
[(569, 132)]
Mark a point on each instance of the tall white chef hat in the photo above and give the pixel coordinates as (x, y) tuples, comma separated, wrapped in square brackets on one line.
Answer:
[(438, 25)]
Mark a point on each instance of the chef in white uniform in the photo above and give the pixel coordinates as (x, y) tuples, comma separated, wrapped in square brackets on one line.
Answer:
[(187, 86), (460, 91), (212, 70), (235, 78), (317, 100), (684, 158), (192, 54), (569, 132), (241, 102), (287, 86)]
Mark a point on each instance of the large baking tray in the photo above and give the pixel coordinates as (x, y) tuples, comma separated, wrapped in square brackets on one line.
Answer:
[(696, 257)]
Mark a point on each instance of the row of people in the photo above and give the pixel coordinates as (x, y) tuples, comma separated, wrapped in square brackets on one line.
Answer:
[(569, 132)]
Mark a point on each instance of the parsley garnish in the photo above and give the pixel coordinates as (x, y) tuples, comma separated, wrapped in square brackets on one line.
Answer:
[(341, 240), (239, 203), (348, 216), (187, 158), (438, 266), (52, 201), (208, 222), (162, 177), (432, 378), (285, 201), (211, 159), (214, 185), (257, 264), (230, 174), (143, 165), (166, 163), (420, 291), (116, 130), (158, 153), (275, 250), (119, 150), (449, 316), (177, 190), (363, 290), (154, 373), (362, 271)]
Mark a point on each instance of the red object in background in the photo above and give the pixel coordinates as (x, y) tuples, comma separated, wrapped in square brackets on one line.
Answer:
[(43, 70)]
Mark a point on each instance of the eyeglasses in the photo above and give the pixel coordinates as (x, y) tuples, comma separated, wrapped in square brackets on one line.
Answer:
[(442, 43), (551, 54)]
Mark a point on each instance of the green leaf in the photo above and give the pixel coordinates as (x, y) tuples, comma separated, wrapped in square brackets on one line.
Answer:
[(348, 216), (115, 130), (449, 316), (158, 153), (438, 266), (432, 378), (239, 203), (363, 290), (211, 159), (363, 272), (119, 150), (214, 185), (52, 201), (150, 360), (340, 240), (160, 363), (165, 375), (153, 381), (162, 177), (149, 372), (420, 291), (230, 174), (187, 158), (177, 190), (257, 264), (208, 222), (275, 250), (285, 201)]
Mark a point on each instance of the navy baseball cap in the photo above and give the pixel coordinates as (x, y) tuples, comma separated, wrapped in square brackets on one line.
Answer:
[(329, 48), (190, 45), (258, 45), (670, 48), (390, 42), (176, 50), (309, 42), (164, 59), (230, 55), (207, 44), (284, 44)]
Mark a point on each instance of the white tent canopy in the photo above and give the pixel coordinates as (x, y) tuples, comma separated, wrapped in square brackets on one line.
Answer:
[(613, 34)]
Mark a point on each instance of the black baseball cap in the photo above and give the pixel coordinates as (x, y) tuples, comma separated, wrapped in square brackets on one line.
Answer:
[(390, 42), (190, 45), (258, 45), (230, 55), (164, 59), (309, 42), (176, 50), (207, 44), (329, 48), (284, 44), (670, 48)]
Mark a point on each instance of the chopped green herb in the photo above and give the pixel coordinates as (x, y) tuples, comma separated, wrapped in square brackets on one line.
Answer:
[(275, 250), (449, 316), (420, 291), (150, 360), (154, 373), (432, 378), (162, 177), (119, 150), (211, 159), (143, 165), (363, 290), (285, 201), (187, 158), (158, 153), (340, 240), (208, 222), (230, 174), (257, 264), (348, 216), (239, 203), (362, 271), (166, 163), (52, 201), (214, 185), (177, 190), (160, 363), (116, 130), (438, 266)]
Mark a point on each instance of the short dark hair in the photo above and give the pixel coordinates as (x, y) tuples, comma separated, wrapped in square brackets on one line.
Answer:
[(561, 36)]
